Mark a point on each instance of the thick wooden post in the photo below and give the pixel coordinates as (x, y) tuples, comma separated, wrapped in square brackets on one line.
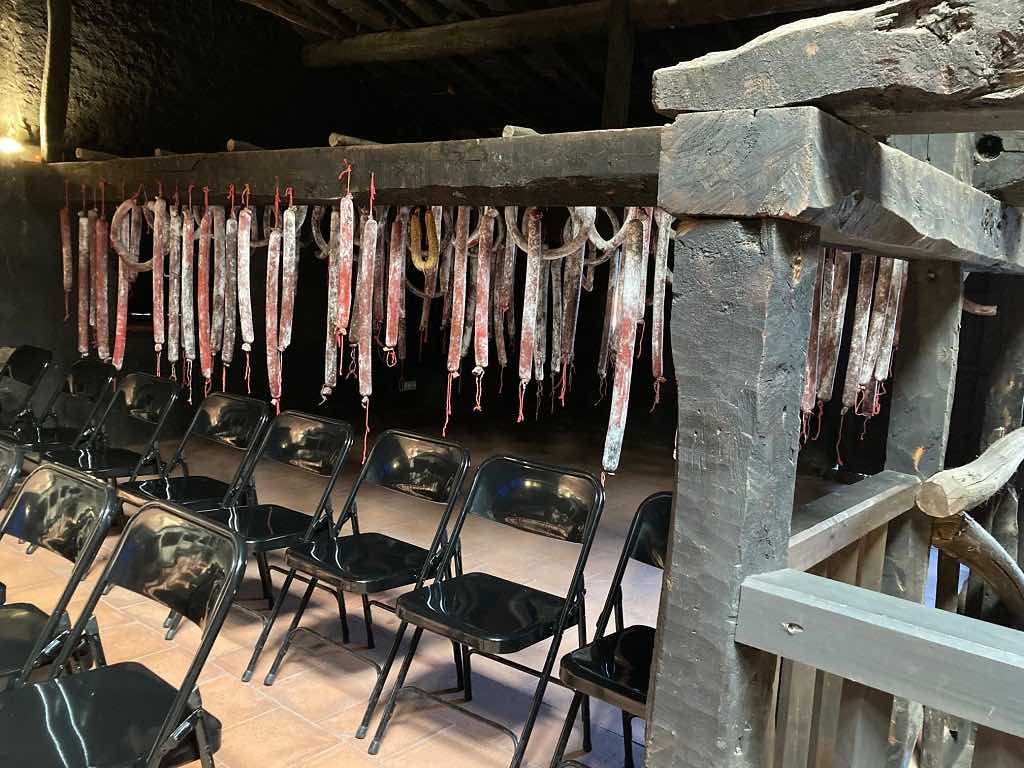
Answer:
[(618, 75), (740, 321), (923, 386), (53, 101)]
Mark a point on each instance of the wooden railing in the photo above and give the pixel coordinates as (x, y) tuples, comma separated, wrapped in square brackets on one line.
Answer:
[(847, 650)]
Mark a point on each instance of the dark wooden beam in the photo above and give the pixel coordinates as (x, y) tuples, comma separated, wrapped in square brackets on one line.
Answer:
[(592, 168), (801, 163), (1000, 165), (618, 72), (738, 443), (906, 66), (533, 28), (53, 101)]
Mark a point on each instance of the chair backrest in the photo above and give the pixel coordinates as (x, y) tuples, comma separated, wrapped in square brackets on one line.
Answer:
[(230, 420), (85, 389), (21, 375), (61, 510), (313, 444), (649, 531), (68, 513), (141, 397), (27, 364), (416, 465), (187, 564), (537, 498), (12, 456)]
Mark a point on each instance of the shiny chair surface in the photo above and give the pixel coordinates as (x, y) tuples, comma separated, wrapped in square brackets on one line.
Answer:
[(369, 562), (616, 668), (20, 378), (139, 398), (72, 409), (492, 616), (227, 420), (124, 714), (67, 513), (12, 456)]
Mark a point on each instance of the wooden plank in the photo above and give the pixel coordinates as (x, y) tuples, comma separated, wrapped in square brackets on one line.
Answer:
[(588, 168), (949, 152), (53, 99), (904, 66), (530, 29), (864, 712), (953, 663), (801, 163), (993, 749), (796, 709), (736, 471), (618, 70), (827, 525)]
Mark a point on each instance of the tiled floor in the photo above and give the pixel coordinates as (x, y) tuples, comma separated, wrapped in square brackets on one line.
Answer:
[(309, 716)]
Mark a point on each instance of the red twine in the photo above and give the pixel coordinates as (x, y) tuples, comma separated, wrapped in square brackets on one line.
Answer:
[(366, 433), (479, 392), (447, 406), (522, 394)]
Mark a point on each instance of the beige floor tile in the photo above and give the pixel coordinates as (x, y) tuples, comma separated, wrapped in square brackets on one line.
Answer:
[(132, 641), (275, 738), (232, 702)]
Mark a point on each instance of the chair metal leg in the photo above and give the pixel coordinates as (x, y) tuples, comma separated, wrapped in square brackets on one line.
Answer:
[(92, 637), (268, 625), (272, 674), (459, 677), (172, 630), (585, 711), (265, 581), (627, 739), (382, 677), (389, 708), (467, 672), (538, 697), (343, 615), (368, 618), (563, 739)]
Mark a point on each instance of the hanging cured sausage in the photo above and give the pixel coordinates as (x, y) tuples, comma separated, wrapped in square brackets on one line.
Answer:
[(188, 317), (632, 307), (67, 266), (219, 279), (86, 232), (246, 328), (859, 334), (227, 351), (121, 236), (828, 344), (203, 299), (809, 396), (664, 223), (395, 285), (457, 286), (346, 233), (271, 325), (174, 290), (159, 247), (482, 305), (531, 291), (101, 263), (332, 336), (364, 302)]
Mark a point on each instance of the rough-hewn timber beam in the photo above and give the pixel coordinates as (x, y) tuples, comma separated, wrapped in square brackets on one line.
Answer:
[(533, 28), (599, 167), (801, 163), (56, 82), (1000, 165), (958, 665), (738, 443), (878, 68), (827, 525)]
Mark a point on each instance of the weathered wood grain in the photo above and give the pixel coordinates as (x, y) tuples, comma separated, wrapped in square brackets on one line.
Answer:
[(956, 490), (907, 66), (737, 449), (1000, 165), (993, 749), (591, 168), (56, 83), (827, 525), (618, 67), (801, 163), (950, 662)]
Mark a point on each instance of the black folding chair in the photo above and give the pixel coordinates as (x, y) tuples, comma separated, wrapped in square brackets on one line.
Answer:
[(367, 563), (616, 668), (72, 409), (140, 398), (313, 444), (491, 616), (20, 378), (231, 421), (124, 714), (12, 456), (69, 514)]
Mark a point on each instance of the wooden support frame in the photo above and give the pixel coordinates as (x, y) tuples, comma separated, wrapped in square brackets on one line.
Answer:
[(959, 665), (737, 448)]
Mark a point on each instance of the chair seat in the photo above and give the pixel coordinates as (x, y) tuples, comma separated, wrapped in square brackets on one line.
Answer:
[(485, 612), (35, 438), (103, 462), (265, 527), (616, 668), (186, 491), (102, 718), (20, 627), (362, 563)]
